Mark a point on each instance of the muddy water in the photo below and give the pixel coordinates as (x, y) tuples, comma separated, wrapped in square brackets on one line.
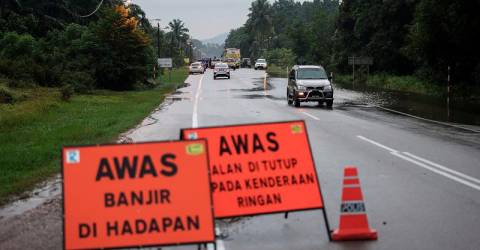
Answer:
[(435, 108)]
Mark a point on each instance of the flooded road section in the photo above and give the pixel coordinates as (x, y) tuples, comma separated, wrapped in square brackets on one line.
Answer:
[(429, 107)]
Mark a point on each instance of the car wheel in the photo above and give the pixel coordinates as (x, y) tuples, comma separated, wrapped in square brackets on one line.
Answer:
[(228, 77), (297, 102), (330, 103), (289, 101), (214, 78)]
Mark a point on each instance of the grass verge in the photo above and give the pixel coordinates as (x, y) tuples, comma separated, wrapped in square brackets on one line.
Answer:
[(277, 71), (33, 131), (410, 84)]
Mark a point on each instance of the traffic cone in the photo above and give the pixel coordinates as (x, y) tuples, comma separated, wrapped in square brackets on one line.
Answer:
[(353, 217)]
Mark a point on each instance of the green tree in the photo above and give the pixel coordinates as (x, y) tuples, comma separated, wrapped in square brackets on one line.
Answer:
[(444, 33), (177, 38), (260, 23), (281, 57), (241, 39), (374, 28), (122, 53)]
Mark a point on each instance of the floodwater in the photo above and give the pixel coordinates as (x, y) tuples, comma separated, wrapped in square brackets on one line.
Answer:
[(434, 108)]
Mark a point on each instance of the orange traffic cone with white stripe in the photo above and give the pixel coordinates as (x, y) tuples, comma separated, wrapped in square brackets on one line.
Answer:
[(353, 217)]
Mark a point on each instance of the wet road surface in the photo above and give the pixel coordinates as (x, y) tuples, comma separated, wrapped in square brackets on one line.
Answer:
[(420, 179)]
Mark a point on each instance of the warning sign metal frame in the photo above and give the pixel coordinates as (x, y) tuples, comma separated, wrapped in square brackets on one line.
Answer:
[(286, 212), (199, 243)]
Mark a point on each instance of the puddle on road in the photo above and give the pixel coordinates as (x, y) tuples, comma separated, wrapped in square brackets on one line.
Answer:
[(435, 108), (45, 192), (259, 86), (231, 226), (259, 96), (176, 99)]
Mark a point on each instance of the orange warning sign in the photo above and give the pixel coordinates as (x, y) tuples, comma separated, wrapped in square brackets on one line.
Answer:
[(132, 195), (260, 168)]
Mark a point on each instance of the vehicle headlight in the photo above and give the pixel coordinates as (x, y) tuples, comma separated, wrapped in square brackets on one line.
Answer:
[(301, 87), (327, 88)]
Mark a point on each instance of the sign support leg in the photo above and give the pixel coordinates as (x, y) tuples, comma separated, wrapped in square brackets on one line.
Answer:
[(353, 72), (327, 225), (286, 215)]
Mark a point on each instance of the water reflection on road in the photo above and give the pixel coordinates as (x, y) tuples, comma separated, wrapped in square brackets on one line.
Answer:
[(429, 107)]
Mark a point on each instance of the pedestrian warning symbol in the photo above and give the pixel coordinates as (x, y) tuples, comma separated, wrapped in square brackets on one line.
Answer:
[(132, 195), (260, 168)]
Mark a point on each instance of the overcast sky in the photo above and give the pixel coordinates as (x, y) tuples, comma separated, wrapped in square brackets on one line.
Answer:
[(204, 18)]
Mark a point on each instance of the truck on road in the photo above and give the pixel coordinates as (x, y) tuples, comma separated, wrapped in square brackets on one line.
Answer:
[(232, 57)]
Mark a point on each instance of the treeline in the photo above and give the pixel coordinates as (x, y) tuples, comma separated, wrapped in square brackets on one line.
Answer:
[(209, 50), (421, 37), (82, 45)]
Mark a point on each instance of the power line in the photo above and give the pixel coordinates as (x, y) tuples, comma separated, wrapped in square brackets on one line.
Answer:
[(84, 16)]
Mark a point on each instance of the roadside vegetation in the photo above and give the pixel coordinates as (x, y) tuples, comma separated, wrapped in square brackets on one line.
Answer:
[(71, 76), (34, 130), (412, 43)]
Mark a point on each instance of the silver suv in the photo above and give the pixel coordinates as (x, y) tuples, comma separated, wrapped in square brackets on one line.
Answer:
[(308, 83)]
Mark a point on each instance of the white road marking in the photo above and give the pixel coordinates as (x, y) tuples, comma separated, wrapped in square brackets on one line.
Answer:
[(195, 104), (425, 166), (377, 144), (220, 244), (429, 165), (310, 115), (443, 167), (429, 120), (265, 84)]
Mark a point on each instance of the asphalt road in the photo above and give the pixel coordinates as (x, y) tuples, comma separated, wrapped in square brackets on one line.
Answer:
[(420, 179)]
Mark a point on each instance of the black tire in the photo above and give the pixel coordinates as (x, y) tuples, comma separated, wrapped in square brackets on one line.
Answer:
[(289, 101), (330, 103), (228, 77), (214, 78), (296, 102)]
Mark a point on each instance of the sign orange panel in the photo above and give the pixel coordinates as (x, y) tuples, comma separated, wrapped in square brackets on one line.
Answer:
[(132, 195), (260, 168)]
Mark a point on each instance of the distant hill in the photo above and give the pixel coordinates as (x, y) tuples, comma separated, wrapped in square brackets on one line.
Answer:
[(208, 49), (220, 39)]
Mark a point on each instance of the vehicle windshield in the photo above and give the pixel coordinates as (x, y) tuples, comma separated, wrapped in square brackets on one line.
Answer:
[(221, 65), (195, 64), (261, 61), (313, 73)]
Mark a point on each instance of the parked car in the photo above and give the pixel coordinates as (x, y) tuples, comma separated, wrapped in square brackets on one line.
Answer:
[(309, 83), (215, 61), (221, 69), (246, 63), (261, 64), (195, 68)]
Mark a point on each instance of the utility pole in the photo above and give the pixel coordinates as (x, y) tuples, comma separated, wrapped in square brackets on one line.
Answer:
[(157, 68), (449, 91), (353, 73), (158, 39)]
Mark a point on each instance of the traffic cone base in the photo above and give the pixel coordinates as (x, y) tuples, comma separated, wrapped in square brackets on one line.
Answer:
[(353, 217), (354, 234)]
